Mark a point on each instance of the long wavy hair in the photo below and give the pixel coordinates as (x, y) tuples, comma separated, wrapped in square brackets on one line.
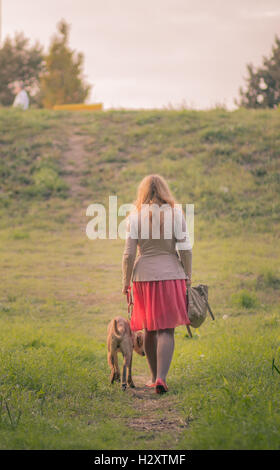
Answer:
[(153, 189)]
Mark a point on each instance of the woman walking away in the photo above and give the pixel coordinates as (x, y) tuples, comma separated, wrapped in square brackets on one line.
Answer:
[(159, 273)]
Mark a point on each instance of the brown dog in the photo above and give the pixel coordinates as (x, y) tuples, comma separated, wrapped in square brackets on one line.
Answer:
[(120, 338)]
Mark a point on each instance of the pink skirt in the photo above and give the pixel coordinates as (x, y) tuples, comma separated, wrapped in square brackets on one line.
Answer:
[(159, 305)]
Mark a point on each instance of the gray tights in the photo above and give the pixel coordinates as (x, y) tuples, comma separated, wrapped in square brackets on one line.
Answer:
[(159, 348)]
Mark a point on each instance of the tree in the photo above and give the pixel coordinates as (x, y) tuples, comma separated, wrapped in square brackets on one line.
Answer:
[(263, 83), (63, 80), (19, 61)]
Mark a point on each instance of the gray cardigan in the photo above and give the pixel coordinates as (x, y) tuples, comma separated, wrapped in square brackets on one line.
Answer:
[(158, 258)]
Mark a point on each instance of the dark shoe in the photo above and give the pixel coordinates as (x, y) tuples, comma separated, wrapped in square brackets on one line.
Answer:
[(161, 386)]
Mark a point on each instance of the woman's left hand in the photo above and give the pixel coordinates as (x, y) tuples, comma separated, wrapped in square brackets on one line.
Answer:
[(125, 290)]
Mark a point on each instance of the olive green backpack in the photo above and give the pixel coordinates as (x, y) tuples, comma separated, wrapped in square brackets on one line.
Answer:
[(197, 304)]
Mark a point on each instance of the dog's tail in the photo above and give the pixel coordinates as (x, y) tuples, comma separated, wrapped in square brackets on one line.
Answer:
[(117, 332)]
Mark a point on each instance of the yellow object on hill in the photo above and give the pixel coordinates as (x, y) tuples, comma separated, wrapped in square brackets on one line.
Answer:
[(79, 107)]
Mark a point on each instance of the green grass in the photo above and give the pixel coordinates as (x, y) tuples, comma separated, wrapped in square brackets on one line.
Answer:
[(59, 289)]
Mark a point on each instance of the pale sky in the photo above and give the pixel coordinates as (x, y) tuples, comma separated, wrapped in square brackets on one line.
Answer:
[(152, 53)]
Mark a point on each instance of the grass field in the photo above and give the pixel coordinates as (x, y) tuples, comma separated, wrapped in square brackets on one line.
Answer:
[(59, 289)]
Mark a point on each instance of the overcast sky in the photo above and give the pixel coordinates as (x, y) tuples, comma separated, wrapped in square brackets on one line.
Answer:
[(151, 53)]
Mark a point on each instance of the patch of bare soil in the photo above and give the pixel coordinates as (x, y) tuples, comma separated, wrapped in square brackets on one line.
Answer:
[(74, 166), (156, 413)]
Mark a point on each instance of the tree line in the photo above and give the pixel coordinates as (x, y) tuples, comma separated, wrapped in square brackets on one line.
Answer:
[(263, 83), (53, 78), (57, 77)]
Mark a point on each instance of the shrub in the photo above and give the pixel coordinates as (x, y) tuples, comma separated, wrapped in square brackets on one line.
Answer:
[(20, 235), (48, 181), (244, 299), (268, 278)]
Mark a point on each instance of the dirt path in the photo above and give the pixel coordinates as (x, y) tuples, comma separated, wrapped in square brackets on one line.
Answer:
[(74, 166), (156, 413)]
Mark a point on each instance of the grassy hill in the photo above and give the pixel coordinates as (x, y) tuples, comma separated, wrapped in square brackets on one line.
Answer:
[(59, 289)]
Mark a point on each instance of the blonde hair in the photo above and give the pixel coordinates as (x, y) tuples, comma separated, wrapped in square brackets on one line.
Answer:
[(153, 189)]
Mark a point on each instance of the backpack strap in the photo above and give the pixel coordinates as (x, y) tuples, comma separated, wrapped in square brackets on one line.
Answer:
[(189, 331), (210, 311), (208, 306)]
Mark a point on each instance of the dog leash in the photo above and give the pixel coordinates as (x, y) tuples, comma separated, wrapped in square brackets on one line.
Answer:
[(129, 302)]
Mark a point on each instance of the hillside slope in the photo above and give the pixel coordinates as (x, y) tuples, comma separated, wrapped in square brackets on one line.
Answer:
[(227, 164)]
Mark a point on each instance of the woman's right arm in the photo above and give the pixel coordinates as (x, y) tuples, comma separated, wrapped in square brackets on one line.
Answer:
[(183, 244), (186, 258)]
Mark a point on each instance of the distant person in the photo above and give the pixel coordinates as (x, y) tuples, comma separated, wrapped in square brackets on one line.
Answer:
[(21, 100)]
